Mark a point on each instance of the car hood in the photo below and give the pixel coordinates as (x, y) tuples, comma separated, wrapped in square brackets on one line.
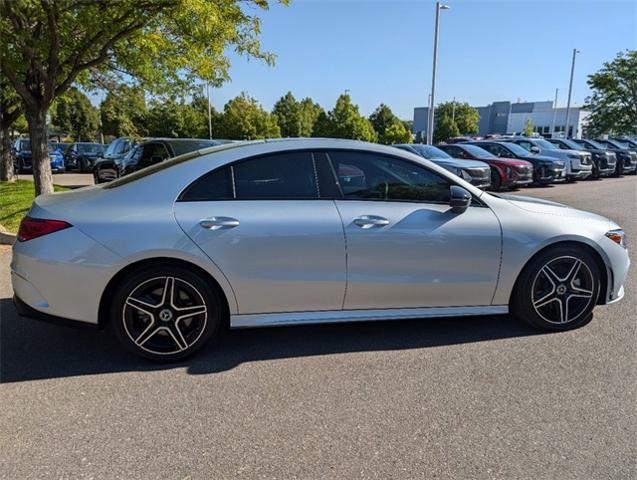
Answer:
[(450, 162), (537, 205), (506, 161)]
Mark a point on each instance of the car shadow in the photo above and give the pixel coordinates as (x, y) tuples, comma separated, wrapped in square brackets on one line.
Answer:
[(33, 350)]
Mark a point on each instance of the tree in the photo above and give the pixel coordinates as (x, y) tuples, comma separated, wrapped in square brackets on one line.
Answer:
[(613, 104), (288, 112), (309, 113), (169, 117), (74, 114), (345, 121), (445, 127), (388, 126), (244, 119), (457, 119), (10, 111), (123, 112), (527, 131), (49, 45)]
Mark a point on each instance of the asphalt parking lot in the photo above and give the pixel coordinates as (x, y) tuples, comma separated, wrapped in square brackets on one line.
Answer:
[(481, 397)]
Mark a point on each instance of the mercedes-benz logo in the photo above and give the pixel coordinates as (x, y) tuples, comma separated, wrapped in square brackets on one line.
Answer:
[(166, 315), (561, 290)]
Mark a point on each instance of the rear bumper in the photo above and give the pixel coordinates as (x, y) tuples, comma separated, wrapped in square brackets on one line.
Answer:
[(24, 310)]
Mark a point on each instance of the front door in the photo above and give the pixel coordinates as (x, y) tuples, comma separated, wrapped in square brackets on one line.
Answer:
[(405, 248)]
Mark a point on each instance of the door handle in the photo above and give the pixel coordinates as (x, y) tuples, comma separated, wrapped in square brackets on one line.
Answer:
[(216, 223), (370, 221)]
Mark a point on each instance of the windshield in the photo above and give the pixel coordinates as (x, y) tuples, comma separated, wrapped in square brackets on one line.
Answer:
[(515, 148), (546, 145), (25, 145), (571, 144), (618, 143), (429, 151), (89, 147), (591, 144), (478, 152)]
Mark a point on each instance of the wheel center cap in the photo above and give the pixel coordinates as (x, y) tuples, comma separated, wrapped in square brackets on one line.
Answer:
[(561, 290), (166, 315)]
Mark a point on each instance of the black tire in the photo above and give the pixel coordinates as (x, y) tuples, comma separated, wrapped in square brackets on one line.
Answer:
[(496, 181), (545, 298), (164, 327), (595, 174)]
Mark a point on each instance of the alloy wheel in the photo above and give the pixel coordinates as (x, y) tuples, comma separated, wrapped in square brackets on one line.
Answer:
[(562, 290), (164, 315)]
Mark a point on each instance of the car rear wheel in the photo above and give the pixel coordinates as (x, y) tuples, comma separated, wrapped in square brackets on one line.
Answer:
[(558, 289), (165, 313)]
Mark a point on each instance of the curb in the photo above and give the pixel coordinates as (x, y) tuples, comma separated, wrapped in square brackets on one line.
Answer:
[(6, 238)]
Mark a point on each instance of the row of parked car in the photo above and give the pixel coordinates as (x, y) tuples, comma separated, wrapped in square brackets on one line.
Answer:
[(495, 164)]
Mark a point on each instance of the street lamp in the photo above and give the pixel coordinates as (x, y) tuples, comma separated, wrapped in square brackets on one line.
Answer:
[(570, 88), (430, 120)]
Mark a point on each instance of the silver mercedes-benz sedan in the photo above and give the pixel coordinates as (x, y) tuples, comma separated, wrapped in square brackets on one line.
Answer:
[(304, 231)]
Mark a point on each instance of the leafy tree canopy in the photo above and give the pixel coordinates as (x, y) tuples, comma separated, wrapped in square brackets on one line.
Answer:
[(73, 113), (389, 128), (309, 114), (288, 112), (453, 119), (124, 112), (613, 104), (527, 131), (345, 121), (244, 119)]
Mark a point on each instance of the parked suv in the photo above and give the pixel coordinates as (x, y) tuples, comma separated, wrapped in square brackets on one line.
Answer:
[(604, 161), (147, 153), (625, 162), (473, 171), (505, 172), (545, 169), (579, 165), (105, 167), (82, 156), (630, 166)]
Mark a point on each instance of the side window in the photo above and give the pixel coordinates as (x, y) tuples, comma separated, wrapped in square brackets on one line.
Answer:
[(492, 148), (456, 152), (216, 185), (154, 153), (368, 176), (525, 145), (280, 176)]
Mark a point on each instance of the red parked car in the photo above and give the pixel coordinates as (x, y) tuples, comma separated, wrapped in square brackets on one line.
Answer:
[(505, 172)]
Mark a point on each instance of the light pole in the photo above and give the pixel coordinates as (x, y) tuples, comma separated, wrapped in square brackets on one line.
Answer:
[(430, 122), (554, 112), (209, 112), (570, 88)]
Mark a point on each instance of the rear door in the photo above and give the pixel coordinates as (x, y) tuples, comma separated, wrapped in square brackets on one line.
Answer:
[(262, 222), (405, 248)]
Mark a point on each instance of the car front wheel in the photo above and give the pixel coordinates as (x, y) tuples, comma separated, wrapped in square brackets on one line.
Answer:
[(165, 313), (558, 289)]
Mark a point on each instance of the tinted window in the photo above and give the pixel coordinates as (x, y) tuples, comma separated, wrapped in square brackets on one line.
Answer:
[(155, 152), (186, 146), (477, 151), (281, 176), (378, 177), (429, 151), (216, 185)]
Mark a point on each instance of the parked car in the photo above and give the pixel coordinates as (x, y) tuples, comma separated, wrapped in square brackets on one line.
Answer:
[(625, 162), (473, 171), (630, 168), (505, 172), (604, 161), (579, 165), (632, 143), (254, 234), (148, 153), (81, 156), (22, 157), (104, 168), (545, 169)]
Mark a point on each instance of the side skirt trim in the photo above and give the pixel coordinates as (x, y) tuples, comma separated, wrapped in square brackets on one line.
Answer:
[(339, 316)]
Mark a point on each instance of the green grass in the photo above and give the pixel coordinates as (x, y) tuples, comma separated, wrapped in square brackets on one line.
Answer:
[(15, 201)]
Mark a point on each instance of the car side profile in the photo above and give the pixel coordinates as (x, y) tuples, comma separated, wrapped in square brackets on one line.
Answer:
[(22, 157), (505, 172), (81, 156), (304, 231)]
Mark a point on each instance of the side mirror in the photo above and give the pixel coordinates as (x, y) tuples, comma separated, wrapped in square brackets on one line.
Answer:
[(460, 199), (535, 149)]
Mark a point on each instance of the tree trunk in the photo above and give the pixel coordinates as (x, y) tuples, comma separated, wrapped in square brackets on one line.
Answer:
[(7, 173), (39, 151)]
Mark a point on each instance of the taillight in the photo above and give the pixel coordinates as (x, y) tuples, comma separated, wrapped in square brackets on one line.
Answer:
[(31, 228)]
